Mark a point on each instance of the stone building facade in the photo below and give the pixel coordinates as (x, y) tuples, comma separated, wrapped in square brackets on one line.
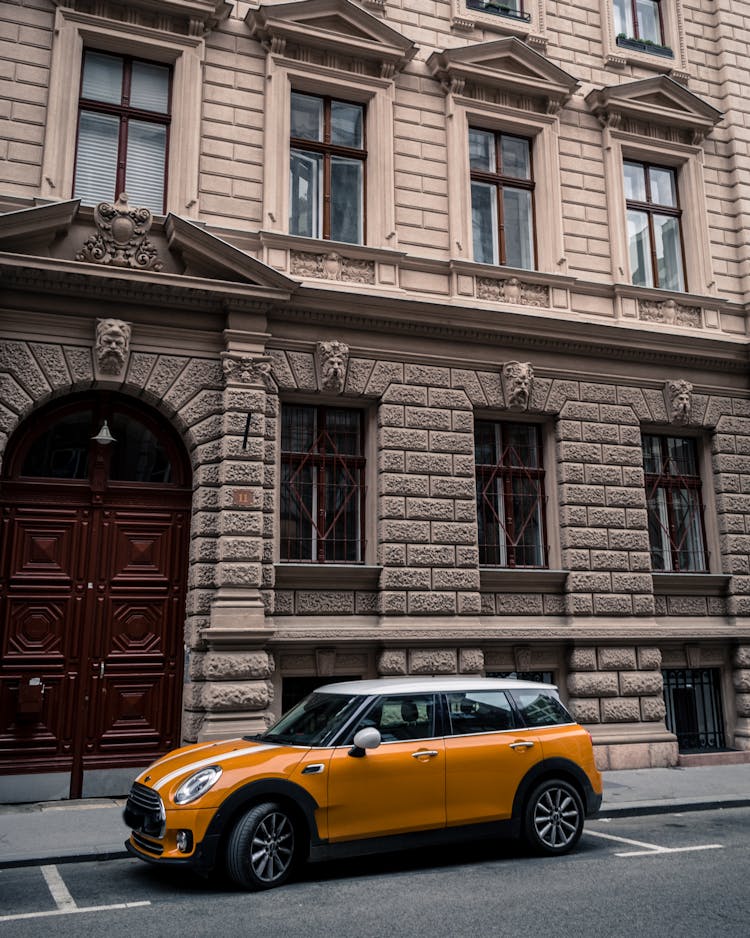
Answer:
[(211, 322)]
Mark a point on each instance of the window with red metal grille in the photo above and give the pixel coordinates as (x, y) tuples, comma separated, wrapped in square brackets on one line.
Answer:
[(322, 485), (675, 511), (510, 494)]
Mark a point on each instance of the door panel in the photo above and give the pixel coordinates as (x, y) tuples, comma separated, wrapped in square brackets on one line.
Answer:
[(390, 790), (92, 606), (483, 773)]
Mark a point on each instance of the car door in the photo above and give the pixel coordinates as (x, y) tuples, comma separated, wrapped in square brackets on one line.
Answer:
[(399, 787), (487, 753)]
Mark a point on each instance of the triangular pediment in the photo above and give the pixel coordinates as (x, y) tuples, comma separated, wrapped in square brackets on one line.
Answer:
[(659, 100), (207, 256), (81, 242), (166, 14), (338, 26), (32, 230), (503, 64)]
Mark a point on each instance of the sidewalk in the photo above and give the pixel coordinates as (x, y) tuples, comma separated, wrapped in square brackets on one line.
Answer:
[(63, 831)]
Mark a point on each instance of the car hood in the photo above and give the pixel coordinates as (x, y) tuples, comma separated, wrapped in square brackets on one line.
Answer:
[(238, 754)]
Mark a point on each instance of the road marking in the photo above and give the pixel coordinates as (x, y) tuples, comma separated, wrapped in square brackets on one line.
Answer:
[(66, 904), (75, 911), (63, 899), (650, 849)]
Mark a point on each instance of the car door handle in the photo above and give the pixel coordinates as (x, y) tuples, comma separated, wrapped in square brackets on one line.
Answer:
[(523, 744), (314, 769), (424, 754)]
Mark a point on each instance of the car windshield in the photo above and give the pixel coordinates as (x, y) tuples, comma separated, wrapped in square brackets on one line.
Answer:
[(314, 721)]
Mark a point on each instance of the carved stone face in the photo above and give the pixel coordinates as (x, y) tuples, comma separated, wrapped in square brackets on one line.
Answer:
[(517, 381), (112, 343), (332, 361), (680, 400)]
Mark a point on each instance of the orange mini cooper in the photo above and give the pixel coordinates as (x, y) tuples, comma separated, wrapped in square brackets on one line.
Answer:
[(374, 765)]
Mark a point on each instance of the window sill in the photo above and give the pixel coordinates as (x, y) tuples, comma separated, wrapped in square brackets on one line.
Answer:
[(326, 576), (521, 580), (691, 584), (637, 45)]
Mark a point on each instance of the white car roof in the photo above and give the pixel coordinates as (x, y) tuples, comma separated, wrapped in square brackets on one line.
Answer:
[(426, 685)]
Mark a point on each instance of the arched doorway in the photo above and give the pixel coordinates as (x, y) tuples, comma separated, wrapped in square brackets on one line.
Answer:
[(93, 569)]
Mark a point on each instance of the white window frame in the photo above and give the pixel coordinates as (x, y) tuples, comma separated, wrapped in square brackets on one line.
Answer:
[(542, 130), (73, 32), (687, 160), (674, 37), (377, 95)]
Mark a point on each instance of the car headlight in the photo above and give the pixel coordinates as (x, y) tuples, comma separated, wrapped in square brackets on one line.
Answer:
[(197, 784)]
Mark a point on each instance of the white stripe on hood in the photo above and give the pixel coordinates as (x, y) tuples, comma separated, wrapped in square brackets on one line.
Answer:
[(202, 763)]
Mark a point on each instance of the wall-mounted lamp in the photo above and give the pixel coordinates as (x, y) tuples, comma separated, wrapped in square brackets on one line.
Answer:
[(104, 436)]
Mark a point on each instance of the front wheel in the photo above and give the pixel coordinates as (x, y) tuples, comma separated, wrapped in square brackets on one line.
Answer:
[(262, 847), (553, 818)]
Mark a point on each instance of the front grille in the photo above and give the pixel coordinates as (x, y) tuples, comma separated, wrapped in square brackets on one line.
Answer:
[(144, 811), (142, 798), (149, 845)]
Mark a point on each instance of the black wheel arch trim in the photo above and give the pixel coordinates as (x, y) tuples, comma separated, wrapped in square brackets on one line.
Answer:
[(563, 769), (254, 791)]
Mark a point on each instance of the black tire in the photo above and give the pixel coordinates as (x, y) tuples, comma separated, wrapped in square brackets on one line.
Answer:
[(262, 847), (553, 818)]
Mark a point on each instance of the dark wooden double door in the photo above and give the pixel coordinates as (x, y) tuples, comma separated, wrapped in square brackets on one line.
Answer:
[(92, 600)]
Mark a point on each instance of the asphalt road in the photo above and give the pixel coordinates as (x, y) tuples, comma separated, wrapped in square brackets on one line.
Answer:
[(674, 874)]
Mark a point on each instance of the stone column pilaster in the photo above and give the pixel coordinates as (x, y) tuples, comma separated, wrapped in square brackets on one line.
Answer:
[(231, 679)]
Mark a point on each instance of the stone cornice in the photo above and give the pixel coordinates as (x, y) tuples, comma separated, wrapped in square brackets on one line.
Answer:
[(518, 328), (46, 275), (403, 631)]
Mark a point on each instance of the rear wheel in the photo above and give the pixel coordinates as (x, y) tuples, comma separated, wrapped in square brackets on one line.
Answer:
[(262, 847), (553, 818)]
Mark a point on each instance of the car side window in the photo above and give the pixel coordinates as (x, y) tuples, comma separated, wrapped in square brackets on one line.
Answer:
[(401, 717), (479, 712), (540, 708)]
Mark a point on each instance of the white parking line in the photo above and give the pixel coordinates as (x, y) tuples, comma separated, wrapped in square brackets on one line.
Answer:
[(63, 899), (66, 904), (650, 849)]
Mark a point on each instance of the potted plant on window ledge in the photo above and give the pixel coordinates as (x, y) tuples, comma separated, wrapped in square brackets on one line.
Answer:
[(498, 8), (643, 45)]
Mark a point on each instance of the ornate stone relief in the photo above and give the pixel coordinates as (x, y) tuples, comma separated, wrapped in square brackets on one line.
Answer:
[(112, 345), (678, 396), (332, 266), (246, 369), (332, 360), (518, 379), (121, 239), (670, 313), (512, 290)]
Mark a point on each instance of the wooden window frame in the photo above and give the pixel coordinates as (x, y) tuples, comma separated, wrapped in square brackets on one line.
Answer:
[(327, 150), (486, 473), (651, 208), (499, 180), (669, 482), (324, 461), (124, 112), (634, 10)]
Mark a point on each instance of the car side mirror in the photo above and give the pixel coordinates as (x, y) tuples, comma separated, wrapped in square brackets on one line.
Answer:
[(367, 738)]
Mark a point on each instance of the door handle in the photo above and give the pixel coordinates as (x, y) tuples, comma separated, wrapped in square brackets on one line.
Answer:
[(523, 744), (101, 669), (424, 754)]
